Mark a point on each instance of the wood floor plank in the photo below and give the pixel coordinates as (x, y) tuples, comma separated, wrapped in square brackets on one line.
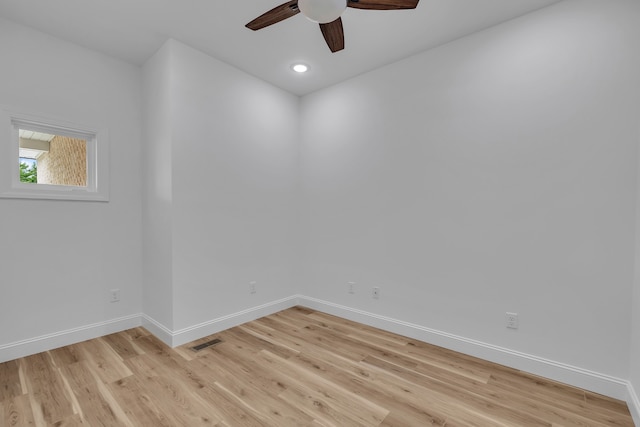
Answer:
[(350, 328), (472, 397), (16, 411), (49, 400), (72, 421), (66, 355), (608, 404), (272, 336), (539, 388), (445, 359), (107, 362), (96, 404), (180, 405), (227, 409), (10, 386), (400, 348), (123, 346), (341, 372), (255, 343), (323, 393), (317, 336), (137, 404), (298, 367), (562, 404), (164, 388), (246, 381)]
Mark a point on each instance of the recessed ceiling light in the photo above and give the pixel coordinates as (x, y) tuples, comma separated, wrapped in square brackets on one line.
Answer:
[(300, 68)]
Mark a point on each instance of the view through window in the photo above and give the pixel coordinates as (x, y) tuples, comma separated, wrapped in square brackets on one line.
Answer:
[(52, 159)]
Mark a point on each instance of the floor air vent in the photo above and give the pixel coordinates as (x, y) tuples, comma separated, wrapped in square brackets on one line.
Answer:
[(206, 344)]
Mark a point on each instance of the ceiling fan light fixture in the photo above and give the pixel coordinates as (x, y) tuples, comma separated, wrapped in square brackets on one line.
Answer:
[(322, 11)]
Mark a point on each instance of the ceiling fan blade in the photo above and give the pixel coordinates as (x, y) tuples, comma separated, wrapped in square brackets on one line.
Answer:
[(275, 15), (333, 34), (383, 4)]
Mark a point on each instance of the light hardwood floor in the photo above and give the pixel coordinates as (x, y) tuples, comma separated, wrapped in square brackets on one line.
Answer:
[(295, 368)]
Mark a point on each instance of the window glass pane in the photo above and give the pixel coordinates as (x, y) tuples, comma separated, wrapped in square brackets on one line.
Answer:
[(28, 170), (52, 159)]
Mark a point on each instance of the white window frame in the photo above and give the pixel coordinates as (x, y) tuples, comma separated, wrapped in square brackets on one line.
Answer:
[(97, 188)]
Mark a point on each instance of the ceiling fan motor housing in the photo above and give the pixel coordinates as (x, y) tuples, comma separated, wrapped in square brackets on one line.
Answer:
[(322, 11)]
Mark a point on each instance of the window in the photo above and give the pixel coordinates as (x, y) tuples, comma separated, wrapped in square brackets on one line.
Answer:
[(51, 159)]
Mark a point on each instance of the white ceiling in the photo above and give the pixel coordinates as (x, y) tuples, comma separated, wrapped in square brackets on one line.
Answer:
[(134, 29)]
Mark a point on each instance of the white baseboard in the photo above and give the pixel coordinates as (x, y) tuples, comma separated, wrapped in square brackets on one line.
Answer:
[(572, 375), (42, 343), (185, 335), (633, 402), (158, 330)]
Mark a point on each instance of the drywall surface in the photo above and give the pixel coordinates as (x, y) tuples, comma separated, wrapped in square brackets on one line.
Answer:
[(59, 259), (634, 371), (157, 193), (233, 165), (634, 374), (496, 173)]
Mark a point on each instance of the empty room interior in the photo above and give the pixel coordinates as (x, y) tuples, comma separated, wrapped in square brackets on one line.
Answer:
[(449, 182)]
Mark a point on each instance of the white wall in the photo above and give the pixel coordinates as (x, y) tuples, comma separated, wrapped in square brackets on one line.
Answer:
[(496, 173), (58, 259), (232, 179), (634, 371), (157, 193)]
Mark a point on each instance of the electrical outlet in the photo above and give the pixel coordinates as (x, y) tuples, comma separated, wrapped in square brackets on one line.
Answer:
[(351, 287), (115, 295), (376, 292), (512, 320), (252, 287)]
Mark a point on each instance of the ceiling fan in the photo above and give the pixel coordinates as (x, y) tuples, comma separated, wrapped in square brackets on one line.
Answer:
[(327, 14)]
